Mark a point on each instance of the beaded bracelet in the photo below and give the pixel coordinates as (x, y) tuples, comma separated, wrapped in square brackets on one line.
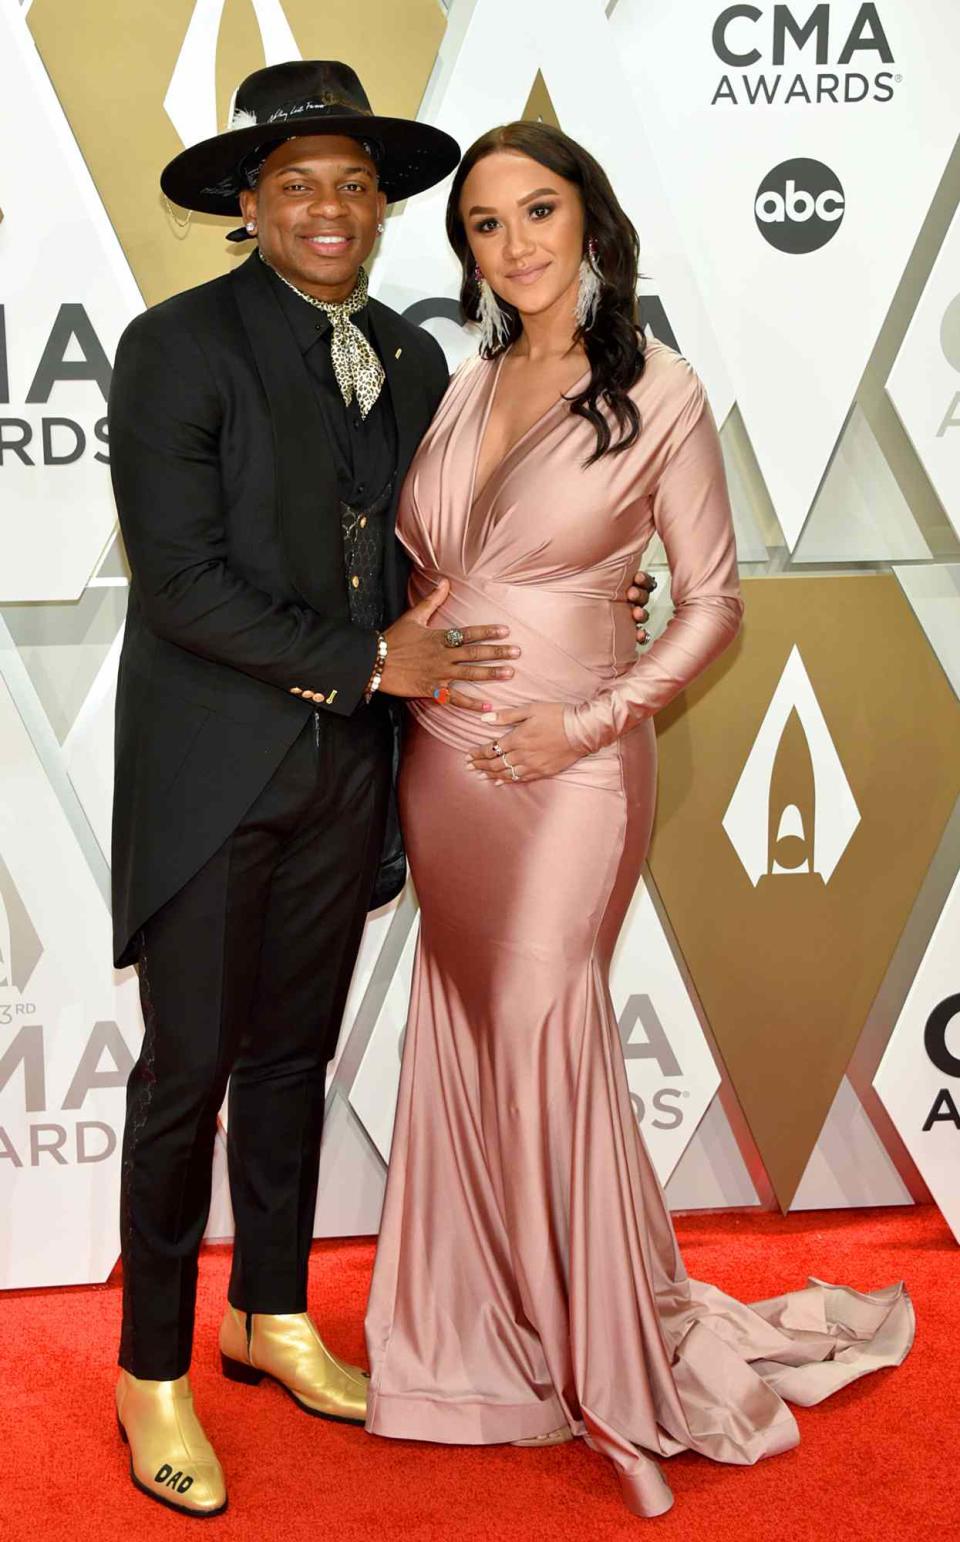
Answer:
[(373, 684)]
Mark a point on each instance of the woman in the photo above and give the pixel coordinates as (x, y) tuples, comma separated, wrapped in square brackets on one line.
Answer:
[(527, 1284)]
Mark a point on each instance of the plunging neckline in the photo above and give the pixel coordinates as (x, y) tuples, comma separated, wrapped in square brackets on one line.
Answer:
[(564, 397)]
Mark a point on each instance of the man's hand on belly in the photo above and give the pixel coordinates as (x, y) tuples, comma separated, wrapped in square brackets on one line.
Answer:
[(534, 746), (422, 662)]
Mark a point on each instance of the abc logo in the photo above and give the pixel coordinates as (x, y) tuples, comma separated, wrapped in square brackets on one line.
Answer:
[(799, 206)]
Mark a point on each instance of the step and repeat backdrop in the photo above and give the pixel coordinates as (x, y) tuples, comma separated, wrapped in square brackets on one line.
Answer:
[(788, 980)]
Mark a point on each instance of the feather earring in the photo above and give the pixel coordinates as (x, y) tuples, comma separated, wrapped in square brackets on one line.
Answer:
[(494, 322), (588, 289)]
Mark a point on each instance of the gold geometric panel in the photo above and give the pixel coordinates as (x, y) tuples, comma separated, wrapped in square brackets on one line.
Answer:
[(111, 67), (805, 784), (540, 108)]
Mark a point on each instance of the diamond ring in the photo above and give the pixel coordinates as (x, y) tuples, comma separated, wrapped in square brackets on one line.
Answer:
[(453, 638)]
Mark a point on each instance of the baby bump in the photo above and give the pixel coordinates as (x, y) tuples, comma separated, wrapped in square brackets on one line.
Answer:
[(544, 870), (571, 646)]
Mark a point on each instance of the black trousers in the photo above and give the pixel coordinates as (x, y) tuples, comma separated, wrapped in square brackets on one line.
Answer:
[(244, 974)]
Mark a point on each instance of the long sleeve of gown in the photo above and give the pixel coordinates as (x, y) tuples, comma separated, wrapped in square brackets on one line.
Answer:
[(691, 513)]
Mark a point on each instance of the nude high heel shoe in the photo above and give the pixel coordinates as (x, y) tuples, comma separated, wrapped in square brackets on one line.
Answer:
[(553, 1438)]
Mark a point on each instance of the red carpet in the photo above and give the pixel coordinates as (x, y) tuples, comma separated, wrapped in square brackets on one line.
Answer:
[(874, 1462)]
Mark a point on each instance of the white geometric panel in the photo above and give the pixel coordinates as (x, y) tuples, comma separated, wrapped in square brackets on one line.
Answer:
[(802, 146), (67, 294), (352, 1177), (670, 1069), (191, 99), (754, 524), (860, 513), (933, 590), (837, 815), (220, 1225), (924, 384), (918, 1079), (849, 1165), (711, 1174), (481, 82), (373, 1093), (69, 1032), (374, 936)]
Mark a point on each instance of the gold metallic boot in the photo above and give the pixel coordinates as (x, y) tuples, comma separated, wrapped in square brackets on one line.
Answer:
[(171, 1459), (290, 1351)]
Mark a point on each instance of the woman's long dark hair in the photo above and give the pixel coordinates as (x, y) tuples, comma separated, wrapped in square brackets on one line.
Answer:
[(614, 343)]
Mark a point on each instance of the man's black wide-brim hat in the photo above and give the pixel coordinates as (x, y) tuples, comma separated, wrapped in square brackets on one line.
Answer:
[(309, 96)]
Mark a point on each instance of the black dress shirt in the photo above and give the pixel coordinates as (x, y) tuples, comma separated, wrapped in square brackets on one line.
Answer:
[(364, 453)]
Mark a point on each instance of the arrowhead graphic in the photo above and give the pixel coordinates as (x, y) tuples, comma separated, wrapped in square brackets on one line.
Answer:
[(788, 856)]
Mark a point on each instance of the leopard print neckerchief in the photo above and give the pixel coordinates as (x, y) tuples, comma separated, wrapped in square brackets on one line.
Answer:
[(358, 370)]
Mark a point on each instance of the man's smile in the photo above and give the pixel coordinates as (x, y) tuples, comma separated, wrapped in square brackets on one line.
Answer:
[(329, 244)]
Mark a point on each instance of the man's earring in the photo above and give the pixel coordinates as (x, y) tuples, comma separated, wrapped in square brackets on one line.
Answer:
[(494, 322), (381, 227), (251, 227)]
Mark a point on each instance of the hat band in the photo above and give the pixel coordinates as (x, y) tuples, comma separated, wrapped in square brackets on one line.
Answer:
[(243, 119)]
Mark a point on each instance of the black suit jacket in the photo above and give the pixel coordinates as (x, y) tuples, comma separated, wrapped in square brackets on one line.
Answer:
[(227, 495)]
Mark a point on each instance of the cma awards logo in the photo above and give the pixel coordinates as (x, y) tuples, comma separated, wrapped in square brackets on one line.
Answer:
[(70, 352), (784, 54), (944, 1016), (792, 814), (950, 343), (26, 1080), (799, 206)]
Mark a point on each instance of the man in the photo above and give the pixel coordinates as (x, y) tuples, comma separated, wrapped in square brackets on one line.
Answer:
[(261, 426)]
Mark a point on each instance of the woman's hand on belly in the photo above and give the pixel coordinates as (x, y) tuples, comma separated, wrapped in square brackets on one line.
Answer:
[(534, 745)]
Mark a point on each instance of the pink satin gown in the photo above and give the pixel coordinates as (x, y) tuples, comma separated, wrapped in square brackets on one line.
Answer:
[(527, 1274)]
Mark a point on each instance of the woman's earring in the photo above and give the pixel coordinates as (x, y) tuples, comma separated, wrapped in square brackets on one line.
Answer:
[(251, 228), (381, 227), (588, 291), (494, 322)]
